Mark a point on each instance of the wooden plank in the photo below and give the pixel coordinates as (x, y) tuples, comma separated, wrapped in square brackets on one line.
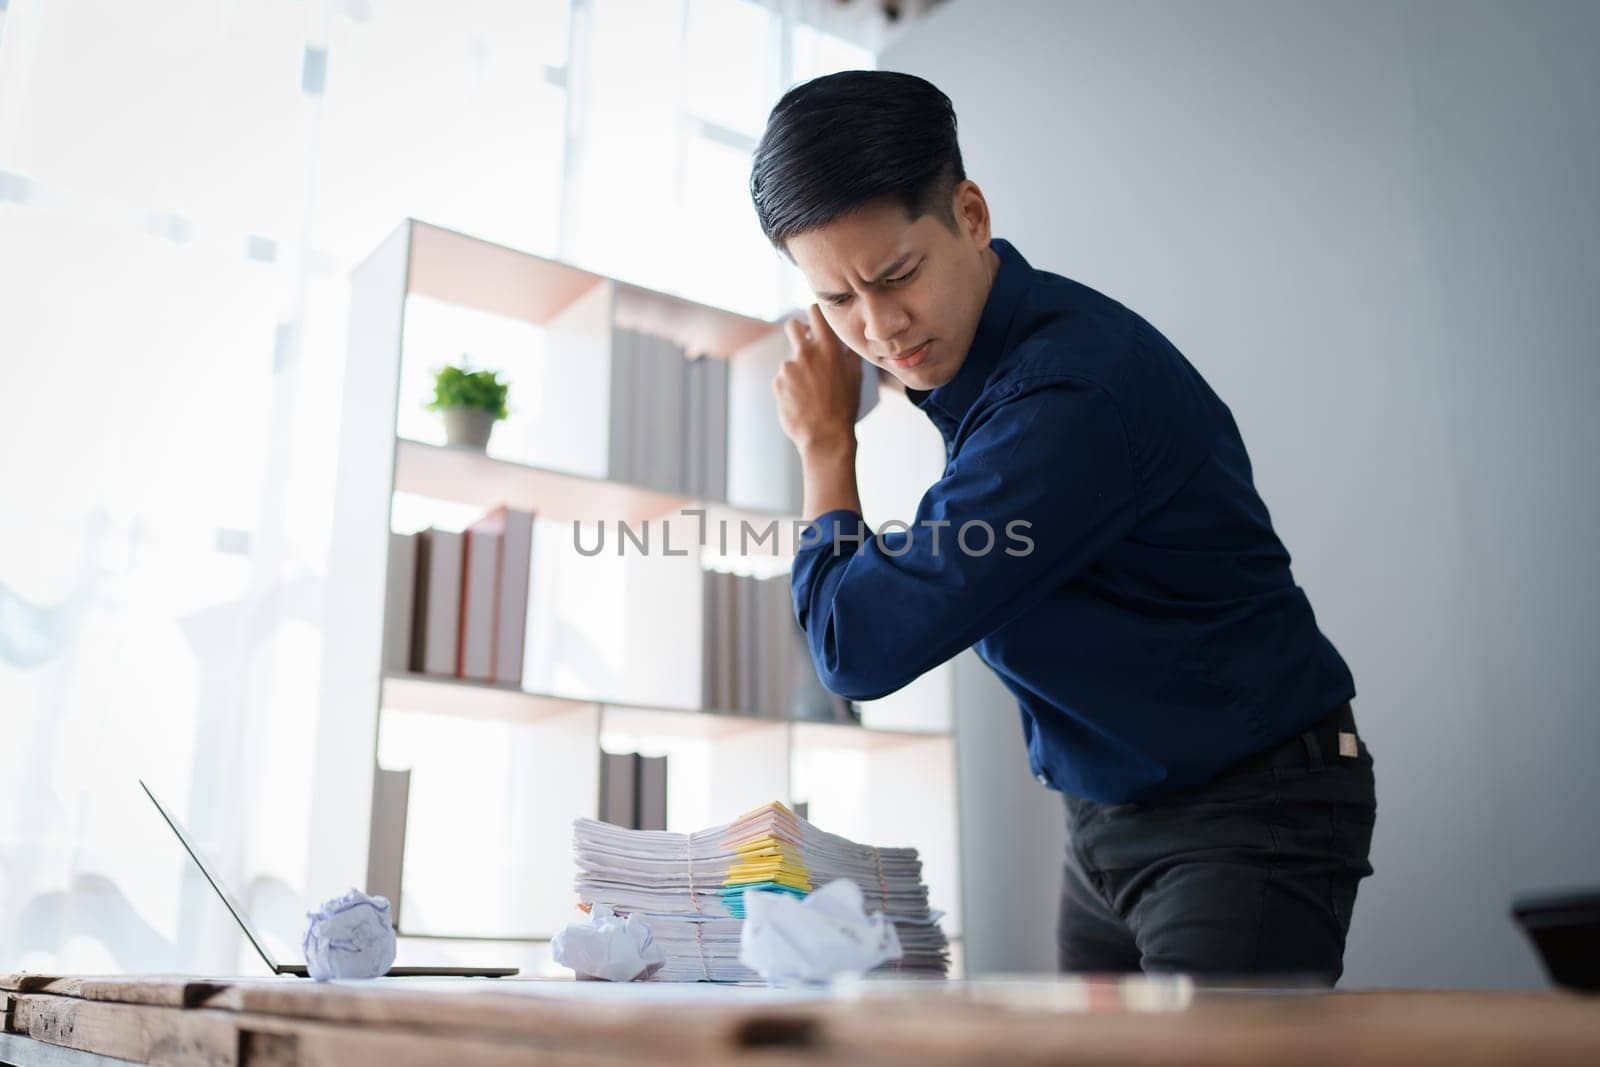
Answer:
[(311, 1044), (14, 1048), (181, 1037), (1237, 1029), (276, 1021), (143, 1033), (616, 1028), (176, 991)]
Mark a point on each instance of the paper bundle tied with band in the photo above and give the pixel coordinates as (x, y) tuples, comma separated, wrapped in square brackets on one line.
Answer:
[(826, 935), (692, 889), (608, 947)]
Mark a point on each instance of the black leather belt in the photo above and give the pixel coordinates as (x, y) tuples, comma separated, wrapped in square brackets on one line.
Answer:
[(1327, 741)]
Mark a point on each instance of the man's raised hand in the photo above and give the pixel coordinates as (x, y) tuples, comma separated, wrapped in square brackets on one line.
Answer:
[(819, 386)]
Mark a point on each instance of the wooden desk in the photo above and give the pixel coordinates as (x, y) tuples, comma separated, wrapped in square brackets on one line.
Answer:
[(473, 1022)]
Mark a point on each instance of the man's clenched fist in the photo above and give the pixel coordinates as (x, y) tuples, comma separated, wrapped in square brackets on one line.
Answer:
[(818, 386)]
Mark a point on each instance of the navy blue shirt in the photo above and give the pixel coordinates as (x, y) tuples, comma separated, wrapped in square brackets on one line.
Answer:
[(1133, 595)]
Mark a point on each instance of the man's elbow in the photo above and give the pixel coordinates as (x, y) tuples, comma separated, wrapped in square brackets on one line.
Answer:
[(861, 676), (857, 664)]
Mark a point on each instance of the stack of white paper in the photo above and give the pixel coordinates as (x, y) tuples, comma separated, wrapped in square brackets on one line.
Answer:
[(689, 888)]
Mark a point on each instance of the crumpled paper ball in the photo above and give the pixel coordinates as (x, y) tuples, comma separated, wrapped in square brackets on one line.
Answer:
[(350, 937), (608, 947), (827, 934)]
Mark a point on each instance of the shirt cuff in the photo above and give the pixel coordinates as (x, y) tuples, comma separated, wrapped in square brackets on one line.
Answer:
[(835, 534)]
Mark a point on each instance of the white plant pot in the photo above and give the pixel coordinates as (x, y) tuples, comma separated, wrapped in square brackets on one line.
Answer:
[(467, 427)]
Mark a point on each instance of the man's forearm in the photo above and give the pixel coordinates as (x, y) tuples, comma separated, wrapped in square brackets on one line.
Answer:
[(829, 471)]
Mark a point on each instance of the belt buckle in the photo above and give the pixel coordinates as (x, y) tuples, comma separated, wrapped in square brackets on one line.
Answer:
[(1348, 749)]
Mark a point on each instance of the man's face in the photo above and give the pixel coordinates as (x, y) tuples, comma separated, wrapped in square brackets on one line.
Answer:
[(905, 295)]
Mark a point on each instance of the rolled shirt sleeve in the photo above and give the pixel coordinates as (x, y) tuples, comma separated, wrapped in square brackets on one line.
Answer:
[(1042, 484)]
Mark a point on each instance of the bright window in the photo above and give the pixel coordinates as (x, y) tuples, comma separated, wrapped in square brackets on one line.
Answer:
[(184, 187)]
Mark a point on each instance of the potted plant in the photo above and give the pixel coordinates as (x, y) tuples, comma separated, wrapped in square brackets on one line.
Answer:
[(470, 403)]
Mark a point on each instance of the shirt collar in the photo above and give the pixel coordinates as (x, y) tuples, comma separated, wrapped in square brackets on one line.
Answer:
[(948, 404)]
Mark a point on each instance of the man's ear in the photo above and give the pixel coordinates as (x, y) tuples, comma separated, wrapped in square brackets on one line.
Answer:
[(972, 211)]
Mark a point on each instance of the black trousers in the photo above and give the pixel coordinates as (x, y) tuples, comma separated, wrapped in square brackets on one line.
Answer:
[(1252, 874)]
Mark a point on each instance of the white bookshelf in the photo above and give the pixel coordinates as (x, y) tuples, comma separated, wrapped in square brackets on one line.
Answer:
[(477, 852)]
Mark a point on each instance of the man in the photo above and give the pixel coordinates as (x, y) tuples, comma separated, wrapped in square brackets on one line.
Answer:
[(1130, 590)]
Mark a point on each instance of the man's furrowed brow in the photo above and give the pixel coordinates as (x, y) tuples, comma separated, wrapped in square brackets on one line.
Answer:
[(886, 272)]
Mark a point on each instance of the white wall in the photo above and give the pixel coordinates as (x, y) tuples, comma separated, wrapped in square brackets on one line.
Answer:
[(1373, 227)]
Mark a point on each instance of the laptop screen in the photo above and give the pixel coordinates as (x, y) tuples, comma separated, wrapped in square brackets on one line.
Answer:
[(216, 883)]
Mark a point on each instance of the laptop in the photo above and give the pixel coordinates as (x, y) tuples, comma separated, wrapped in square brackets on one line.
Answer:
[(299, 968)]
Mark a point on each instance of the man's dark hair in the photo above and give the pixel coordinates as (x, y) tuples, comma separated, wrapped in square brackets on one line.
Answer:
[(839, 142)]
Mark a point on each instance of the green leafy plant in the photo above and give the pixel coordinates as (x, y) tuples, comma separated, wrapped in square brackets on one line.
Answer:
[(462, 387)]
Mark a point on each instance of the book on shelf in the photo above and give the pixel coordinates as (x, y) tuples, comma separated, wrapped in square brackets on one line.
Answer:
[(800, 693), (457, 602), (652, 793), (727, 672), (754, 656), (645, 387), (661, 386), (674, 368), (397, 602), (747, 666), (719, 638), (516, 566), (715, 458), (624, 406), (510, 533), (669, 416), (436, 637), (633, 790), (775, 658), (691, 441), (710, 692), (480, 608), (619, 788)]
